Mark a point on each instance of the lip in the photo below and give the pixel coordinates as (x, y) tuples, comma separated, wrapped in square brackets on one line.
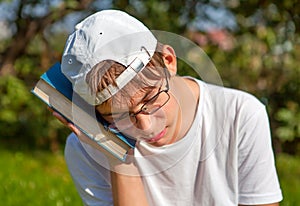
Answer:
[(157, 137)]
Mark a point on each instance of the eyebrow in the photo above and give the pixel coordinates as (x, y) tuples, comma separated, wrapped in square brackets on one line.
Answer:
[(143, 98)]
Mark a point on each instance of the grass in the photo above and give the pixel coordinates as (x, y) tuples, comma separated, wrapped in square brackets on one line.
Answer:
[(36, 178), (41, 178), (288, 168)]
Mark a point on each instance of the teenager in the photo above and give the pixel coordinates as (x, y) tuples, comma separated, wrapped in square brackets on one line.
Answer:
[(196, 143)]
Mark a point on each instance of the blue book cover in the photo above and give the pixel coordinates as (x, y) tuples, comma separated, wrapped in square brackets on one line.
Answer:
[(56, 79)]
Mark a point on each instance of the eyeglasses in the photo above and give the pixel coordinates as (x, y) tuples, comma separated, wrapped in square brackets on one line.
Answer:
[(127, 120)]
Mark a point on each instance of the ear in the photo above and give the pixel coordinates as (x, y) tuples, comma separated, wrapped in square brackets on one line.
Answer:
[(170, 60)]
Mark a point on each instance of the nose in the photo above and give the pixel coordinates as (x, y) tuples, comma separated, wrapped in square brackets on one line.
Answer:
[(143, 121)]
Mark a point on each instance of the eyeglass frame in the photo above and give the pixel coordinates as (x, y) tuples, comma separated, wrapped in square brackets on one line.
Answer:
[(134, 114)]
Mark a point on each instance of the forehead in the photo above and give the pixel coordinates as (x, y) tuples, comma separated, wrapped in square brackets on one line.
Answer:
[(131, 94), (137, 88), (123, 101)]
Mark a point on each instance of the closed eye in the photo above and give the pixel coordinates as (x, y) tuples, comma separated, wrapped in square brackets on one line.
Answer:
[(150, 95)]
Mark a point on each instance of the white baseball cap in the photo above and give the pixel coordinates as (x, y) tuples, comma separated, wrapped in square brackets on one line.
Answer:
[(106, 35)]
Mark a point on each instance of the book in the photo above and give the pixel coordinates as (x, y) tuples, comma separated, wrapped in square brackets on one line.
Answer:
[(54, 89)]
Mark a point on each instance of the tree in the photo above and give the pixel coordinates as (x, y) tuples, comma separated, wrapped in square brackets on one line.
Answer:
[(254, 45), (29, 24), (28, 49)]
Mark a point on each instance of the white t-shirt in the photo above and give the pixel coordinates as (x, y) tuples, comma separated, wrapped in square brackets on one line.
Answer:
[(226, 157)]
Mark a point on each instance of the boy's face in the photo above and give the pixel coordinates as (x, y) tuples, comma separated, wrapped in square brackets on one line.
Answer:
[(153, 115)]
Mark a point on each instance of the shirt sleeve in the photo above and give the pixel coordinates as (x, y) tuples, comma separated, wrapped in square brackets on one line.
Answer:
[(92, 181), (257, 177)]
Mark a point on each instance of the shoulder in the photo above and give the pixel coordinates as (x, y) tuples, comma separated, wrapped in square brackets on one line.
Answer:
[(232, 99), (228, 105)]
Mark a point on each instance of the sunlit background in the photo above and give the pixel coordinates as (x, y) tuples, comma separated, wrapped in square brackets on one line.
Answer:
[(255, 46)]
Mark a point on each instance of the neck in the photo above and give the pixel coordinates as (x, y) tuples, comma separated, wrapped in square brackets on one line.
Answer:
[(187, 93)]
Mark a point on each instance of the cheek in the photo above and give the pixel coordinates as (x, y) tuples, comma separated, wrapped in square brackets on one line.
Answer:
[(172, 110), (148, 126), (168, 116), (174, 118)]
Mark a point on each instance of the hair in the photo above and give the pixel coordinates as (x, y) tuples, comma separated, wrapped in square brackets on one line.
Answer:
[(105, 73)]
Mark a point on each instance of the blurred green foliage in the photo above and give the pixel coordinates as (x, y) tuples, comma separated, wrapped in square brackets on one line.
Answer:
[(290, 119), (260, 54), (24, 121)]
